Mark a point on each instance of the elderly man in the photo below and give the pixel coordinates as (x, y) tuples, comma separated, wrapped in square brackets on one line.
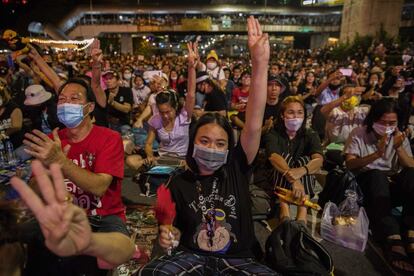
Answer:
[(91, 158)]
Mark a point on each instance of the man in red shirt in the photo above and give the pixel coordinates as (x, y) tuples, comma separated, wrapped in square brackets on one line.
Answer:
[(240, 94), (91, 158)]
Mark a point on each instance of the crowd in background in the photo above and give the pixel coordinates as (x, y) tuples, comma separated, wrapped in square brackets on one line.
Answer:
[(316, 101)]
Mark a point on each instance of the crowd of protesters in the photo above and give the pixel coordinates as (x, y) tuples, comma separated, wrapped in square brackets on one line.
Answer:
[(75, 113)]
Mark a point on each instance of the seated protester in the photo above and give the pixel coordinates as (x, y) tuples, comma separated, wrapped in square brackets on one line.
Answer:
[(307, 89), (230, 85), (295, 153), (173, 79), (140, 93), (236, 76), (381, 157), (171, 125), (11, 117), (41, 109), (212, 197), (215, 100), (157, 84), (91, 159), (343, 115), (213, 69), (240, 95), (275, 70), (126, 77), (373, 87), (119, 103), (403, 97), (182, 85), (98, 85), (274, 88), (327, 92)]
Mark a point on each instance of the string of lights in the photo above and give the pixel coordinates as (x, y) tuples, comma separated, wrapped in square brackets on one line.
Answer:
[(62, 45)]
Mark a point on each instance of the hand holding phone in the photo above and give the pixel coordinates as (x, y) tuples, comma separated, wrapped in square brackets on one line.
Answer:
[(346, 72)]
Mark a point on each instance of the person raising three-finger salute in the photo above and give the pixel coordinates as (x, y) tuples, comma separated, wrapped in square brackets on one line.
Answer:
[(65, 226), (91, 158)]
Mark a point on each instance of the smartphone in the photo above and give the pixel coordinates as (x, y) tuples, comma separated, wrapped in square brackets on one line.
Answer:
[(148, 75), (346, 72)]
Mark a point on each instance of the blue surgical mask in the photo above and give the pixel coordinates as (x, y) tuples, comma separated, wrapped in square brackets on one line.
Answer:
[(71, 115), (210, 159)]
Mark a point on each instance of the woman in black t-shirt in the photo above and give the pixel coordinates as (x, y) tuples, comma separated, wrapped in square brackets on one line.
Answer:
[(213, 223), (307, 89)]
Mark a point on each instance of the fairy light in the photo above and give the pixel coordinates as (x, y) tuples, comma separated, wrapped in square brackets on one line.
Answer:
[(86, 43)]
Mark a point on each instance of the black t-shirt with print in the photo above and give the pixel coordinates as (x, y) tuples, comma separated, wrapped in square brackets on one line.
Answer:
[(215, 101), (124, 95), (233, 226)]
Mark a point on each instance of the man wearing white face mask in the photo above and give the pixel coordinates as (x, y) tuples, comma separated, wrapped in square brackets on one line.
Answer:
[(92, 162), (381, 157), (295, 154), (213, 68)]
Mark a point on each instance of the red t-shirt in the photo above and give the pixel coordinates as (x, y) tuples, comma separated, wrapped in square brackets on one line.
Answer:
[(100, 152), (239, 96)]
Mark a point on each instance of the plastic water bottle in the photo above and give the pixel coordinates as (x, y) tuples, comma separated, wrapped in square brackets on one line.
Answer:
[(11, 158), (3, 157)]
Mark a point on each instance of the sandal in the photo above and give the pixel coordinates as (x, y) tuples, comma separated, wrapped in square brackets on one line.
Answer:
[(394, 256)]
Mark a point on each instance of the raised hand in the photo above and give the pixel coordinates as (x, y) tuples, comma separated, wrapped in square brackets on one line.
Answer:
[(33, 53), (258, 42), (65, 226), (96, 52), (399, 138), (193, 56)]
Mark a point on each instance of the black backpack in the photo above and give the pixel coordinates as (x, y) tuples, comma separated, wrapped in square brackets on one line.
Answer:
[(337, 182), (291, 250)]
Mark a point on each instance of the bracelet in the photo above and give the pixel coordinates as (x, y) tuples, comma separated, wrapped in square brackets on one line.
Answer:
[(307, 170)]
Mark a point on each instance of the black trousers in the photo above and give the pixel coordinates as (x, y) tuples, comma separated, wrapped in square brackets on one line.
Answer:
[(381, 194)]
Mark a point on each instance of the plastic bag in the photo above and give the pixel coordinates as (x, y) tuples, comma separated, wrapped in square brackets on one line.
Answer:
[(350, 235), (349, 207)]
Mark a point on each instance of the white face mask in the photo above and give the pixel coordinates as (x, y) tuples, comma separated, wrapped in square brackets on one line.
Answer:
[(293, 124), (381, 129), (127, 76), (211, 65)]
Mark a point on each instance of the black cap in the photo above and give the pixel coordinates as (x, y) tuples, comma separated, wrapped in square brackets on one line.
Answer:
[(276, 79), (202, 76)]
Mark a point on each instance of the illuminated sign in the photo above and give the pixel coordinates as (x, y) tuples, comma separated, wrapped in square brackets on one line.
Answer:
[(322, 2)]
